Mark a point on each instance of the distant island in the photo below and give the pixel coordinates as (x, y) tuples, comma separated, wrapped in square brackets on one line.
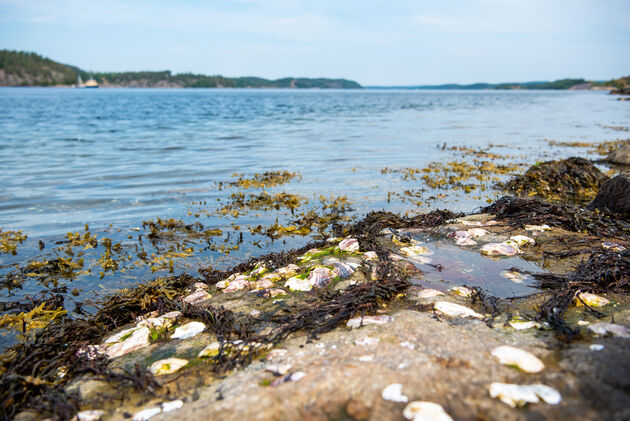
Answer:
[(573, 84), (18, 68)]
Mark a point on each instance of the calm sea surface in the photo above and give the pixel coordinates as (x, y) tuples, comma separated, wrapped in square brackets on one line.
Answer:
[(113, 158)]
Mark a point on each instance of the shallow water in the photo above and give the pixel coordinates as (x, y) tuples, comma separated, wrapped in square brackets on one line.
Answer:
[(113, 158)]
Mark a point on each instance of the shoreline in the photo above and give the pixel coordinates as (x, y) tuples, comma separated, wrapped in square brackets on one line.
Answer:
[(405, 248)]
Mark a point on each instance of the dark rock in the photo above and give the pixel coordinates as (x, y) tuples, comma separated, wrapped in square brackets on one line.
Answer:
[(621, 155), (574, 179), (614, 195)]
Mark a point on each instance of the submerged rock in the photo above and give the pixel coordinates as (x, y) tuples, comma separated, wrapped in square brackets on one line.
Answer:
[(425, 411), (526, 361), (520, 395)]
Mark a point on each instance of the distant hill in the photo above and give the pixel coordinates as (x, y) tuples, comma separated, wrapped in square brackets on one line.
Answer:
[(19, 68), (558, 84), (574, 84)]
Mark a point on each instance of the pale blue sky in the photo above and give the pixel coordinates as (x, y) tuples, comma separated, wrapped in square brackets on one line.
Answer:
[(374, 42)]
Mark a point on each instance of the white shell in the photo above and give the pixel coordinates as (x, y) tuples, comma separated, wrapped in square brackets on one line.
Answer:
[(526, 361), (520, 395), (461, 291), (368, 320), (279, 369), (425, 411), (288, 270), (539, 228), (612, 246), (522, 240), (370, 255), (499, 249), (465, 242), (145, 414), (197, 297), (367, 341), (596, 347), (366, 358), (408, 345), (237, 284), (393, 393), (320, 277), (524, 324), (477, 232), (455, 310), (188, 330), (89, 415), (514, 276), (590, 300), (138, 340), (297, 284), (614, 329), (415, 251), (172, 405), (209, 351), (167, 366), (429, 293), (349, 244)]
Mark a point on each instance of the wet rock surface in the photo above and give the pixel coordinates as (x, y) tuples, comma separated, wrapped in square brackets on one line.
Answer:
[(614, 195), (397, 310)]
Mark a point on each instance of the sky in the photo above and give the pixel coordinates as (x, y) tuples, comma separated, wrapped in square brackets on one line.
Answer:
[(375, 42)]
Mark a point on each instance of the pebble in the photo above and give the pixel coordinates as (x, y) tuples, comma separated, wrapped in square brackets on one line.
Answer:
[(359, 321), (526, 361), (167, 366), (519, 395), (425, 411), (596, 347), (393, 393), (456, 310), (188, 330)]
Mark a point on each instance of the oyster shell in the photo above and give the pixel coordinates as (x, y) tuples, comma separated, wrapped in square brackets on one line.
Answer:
[(526, 361), (188, 330), (393, 393), (456, 310), (520, 395), (425, 411)]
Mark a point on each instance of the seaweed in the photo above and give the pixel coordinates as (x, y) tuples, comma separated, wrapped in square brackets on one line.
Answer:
[(518, 212), (573, 179)]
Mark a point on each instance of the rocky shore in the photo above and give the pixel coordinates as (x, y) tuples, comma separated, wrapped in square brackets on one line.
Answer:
[(518, 311)]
